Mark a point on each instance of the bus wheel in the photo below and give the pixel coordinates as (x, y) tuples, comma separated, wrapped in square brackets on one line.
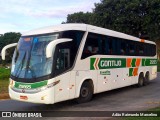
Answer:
[(86, 92), (140, 80), (146, 80)]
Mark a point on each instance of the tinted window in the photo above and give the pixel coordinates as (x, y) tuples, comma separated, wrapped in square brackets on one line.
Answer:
[(153, 49), (132, 50), (76, 37), (123, 49), (109, 45), (141, 49), (94, 45)]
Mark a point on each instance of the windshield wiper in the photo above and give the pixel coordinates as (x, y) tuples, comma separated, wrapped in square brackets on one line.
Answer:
[(20, 66)]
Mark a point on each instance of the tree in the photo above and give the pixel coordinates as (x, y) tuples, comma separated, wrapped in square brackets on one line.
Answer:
[(9, 38), (129, 16), (134, 17), (79, 17)]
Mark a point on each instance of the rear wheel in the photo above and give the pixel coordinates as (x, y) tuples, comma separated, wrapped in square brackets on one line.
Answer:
[(146, 80), (86, 92), (140, 80)]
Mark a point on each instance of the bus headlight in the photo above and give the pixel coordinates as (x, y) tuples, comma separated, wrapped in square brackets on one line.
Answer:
[(49, 85)]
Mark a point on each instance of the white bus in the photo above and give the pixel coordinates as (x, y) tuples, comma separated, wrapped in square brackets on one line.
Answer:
[(70, 61)]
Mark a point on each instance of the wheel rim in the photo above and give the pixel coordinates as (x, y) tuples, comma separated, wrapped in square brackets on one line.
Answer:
[(141, 81), (84, 92), (147, 77)]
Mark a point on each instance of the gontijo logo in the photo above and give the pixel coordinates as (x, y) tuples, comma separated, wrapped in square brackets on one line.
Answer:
[(109, 63), (106, 63)]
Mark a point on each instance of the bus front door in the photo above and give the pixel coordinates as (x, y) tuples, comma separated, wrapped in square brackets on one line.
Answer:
[(62, 65)]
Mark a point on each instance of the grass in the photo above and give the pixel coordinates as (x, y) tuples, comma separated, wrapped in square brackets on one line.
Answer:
[(4, 80), (4, 73)]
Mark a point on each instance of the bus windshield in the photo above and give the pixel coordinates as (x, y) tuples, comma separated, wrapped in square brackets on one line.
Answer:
[(29, 59)]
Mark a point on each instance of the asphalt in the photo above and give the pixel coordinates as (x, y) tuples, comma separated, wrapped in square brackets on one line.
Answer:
[(124, 99)]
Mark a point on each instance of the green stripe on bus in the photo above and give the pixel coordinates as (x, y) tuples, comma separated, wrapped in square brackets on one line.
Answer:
[(143, 62), (109, 63), (130, 71), (149, 62), (133, 62), (92, 63), (21, 85)]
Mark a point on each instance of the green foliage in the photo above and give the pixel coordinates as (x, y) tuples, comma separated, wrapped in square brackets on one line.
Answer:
[(158, 66), (79, 17), (9, 38), (134, 17), (6, 39), (4, 80), (4, 86), (4, 73)]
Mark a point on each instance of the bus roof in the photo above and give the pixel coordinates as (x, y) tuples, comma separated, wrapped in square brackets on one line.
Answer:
[(82, 27)]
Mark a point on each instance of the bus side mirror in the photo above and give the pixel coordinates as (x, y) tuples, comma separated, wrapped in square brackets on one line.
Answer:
[(51, 46), (3, 52)]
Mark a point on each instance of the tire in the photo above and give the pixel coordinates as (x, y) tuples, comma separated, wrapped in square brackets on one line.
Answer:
[(86, 92), (140, 80), (146, 80)]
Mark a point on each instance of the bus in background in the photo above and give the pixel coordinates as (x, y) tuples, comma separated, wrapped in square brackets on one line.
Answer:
[(68, 61)]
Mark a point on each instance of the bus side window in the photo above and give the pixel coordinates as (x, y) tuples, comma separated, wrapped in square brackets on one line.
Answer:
[(63, 59), (131, 48), (150, 48), (123, 48), (103, 45), (141, 49), (153, 49), (76, 37), (107, 48), (93, 45), (118, 46), (114, 46), (137, 49), (146, 50), (110, 47)]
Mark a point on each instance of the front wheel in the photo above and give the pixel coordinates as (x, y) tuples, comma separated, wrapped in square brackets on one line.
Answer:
[(86, 92)]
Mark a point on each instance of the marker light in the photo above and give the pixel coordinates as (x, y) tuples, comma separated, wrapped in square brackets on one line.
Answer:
[(43, 97), (27, 39)]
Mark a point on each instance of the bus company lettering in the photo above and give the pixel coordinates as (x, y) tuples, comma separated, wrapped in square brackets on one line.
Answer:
[(107, 63), (110, 63), (25, 86)]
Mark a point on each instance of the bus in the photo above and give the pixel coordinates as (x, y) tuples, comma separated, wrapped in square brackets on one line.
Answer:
[(75, 61)]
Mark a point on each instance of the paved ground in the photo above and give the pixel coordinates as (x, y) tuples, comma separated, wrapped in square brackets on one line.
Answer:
[(124, 99)]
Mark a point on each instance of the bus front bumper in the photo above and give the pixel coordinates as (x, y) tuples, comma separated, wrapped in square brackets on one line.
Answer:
[(44, 97)]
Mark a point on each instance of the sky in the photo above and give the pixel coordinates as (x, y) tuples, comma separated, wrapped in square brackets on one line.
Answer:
[(25, 15)]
